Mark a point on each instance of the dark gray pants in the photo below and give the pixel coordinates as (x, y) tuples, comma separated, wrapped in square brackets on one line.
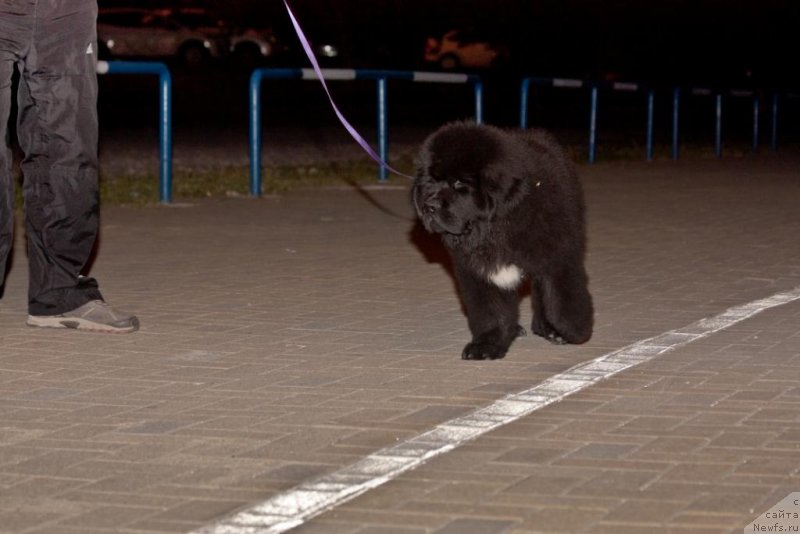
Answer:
[(53, 46)]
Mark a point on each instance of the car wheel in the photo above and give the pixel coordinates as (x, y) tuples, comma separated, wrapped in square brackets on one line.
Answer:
[(194, 54), (449, 62)]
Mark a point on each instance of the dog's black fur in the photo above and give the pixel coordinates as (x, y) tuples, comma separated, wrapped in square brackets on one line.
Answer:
[(500, 199)]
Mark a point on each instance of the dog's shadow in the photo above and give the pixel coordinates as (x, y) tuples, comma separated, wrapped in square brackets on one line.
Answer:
[(430, 246), (433, 251)]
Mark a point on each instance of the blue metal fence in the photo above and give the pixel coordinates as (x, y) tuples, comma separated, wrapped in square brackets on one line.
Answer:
[(380, 76), (594, 88), (718, 97), (165, 114)]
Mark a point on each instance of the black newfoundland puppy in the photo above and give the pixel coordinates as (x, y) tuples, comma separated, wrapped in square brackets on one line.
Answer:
[(508, 206)]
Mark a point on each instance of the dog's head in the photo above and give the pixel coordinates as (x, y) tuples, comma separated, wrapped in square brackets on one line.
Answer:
[(459, 183)]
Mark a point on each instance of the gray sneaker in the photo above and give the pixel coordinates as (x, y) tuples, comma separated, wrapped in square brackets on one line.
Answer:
[(94, 316)]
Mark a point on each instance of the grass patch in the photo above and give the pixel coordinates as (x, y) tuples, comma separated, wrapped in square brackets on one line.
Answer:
[(635, 151), (189, 184), (235, 181)]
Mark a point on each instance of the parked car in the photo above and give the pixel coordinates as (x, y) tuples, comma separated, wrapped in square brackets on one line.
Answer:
[(190, 35), (326, 44), (466, 48), (252, 47)]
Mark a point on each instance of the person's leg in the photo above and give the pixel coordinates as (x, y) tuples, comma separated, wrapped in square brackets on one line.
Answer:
[(6, 178), (15, 28), (57, 130)]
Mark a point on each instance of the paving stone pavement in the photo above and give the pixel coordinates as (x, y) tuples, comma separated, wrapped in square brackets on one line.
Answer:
[(287, 337)]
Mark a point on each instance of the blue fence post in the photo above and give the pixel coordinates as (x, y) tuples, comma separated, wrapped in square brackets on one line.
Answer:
[(256, 79), (164, 110), (676, 102), (523, 102), (775, 121), (593, 125), (718, 128), (165, 134), (478, 83), (255, 132), (756, 111), (650, 113), (383, 129)]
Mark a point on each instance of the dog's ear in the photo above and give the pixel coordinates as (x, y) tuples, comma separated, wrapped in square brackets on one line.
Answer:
[(486, 194), (500, 190), (490, 204)]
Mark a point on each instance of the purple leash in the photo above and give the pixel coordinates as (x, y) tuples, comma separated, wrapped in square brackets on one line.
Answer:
[(349, 127)]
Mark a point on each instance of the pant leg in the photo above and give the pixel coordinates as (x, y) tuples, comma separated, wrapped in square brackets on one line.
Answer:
[(6, 177), (57, 130), (16, 26)]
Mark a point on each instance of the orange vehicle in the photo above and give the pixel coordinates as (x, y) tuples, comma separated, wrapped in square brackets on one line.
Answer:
[(464, 48)]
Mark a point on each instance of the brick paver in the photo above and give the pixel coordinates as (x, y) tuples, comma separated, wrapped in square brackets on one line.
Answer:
[(287, 337)]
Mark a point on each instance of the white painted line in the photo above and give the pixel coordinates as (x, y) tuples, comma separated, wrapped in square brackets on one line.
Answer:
[(296, 506), (567, 82), (440, 77), (625, 86), (330, 74)]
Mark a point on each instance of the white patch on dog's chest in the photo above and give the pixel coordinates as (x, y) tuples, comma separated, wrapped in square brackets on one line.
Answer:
[(506, 277)]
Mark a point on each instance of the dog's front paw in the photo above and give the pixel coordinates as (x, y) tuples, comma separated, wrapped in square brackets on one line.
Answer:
[(491, 345), (481, 350)]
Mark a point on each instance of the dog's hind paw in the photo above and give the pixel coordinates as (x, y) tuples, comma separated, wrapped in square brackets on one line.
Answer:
[(555, 339), (548, 332)]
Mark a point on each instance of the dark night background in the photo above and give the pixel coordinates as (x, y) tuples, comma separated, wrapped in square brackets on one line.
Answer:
[(715, 43), (700, 41)]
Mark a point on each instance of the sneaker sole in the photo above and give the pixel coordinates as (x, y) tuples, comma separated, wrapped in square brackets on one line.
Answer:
[(76, 323)]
